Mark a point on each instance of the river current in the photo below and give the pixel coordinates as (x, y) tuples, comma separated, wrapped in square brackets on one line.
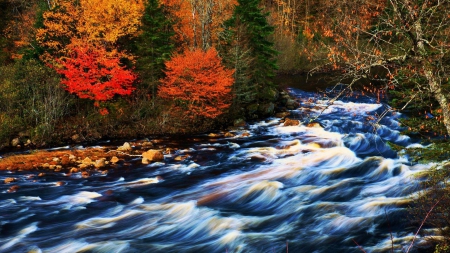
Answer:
[(279, 189)]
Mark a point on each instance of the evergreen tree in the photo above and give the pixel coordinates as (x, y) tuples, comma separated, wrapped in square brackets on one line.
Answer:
[(249, 30), (154, 46)]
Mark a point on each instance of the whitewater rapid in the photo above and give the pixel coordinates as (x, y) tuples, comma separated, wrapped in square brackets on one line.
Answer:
[(276, 188)]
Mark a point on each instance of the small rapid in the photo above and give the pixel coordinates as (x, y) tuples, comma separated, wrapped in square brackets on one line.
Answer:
[(307, 188)]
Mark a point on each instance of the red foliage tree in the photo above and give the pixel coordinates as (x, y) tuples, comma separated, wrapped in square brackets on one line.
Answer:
[(199, 80), (94, 73)]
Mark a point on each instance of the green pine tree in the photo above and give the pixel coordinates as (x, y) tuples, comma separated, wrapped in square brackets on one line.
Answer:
[(249, 25), (154, 46)]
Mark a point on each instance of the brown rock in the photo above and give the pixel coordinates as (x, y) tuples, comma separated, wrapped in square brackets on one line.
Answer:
[(314, 124), (291, 122), (125, 147), (85, 174), (9, 180), (15, 142), (145, 160), (45, 165), (153, 155), (58, 168), (147, 144), (114, 159), (228, 134), (73, 170), (60, 183), (42, 174), (100, 163), (245, 134), (82, 166), (181, 158), (13, 188), (87, 161)]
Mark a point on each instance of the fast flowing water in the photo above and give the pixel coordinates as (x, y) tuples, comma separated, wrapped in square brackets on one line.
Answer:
[(280, 189)]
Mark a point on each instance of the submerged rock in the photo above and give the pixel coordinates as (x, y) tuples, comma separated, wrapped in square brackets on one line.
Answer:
[(291, 122)]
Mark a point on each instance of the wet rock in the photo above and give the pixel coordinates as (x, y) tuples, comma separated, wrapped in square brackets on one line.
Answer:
[(58, 168), (168, 151), (291, 122), (52, 167), (314, 124), (9, 180), (126, 147), (213, 135), (245, 134), (228, 134), (60, 183), (282, 114), (181, 158), (100, 163), (114, 159), (145, 160), (42, 174), (104, 172), (153, 155), (85, 174), (74, 170), (13, 188)]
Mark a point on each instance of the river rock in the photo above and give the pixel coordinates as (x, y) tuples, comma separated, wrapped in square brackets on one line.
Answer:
[(15, 142), (9, 180), (314, 125), (291, 122), (114, 159), (181, 158), (153, 155), (245, 134), (228, 134), (13, 188), (87, 161), (100, 163), (125, 147)]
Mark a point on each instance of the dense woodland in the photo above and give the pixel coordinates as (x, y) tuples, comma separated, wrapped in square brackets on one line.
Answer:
[(82, 70)]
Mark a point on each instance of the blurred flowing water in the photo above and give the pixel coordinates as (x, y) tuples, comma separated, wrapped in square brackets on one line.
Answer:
[(294, 188)]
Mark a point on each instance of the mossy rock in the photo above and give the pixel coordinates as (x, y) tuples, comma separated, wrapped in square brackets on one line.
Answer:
[(266, 109)]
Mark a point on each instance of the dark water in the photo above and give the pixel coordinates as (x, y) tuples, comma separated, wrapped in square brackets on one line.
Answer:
[(297, 188)]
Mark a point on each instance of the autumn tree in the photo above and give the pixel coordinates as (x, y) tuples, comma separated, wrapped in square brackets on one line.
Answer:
[(90, 72), (198, 83), (402, 44), (199, 22), (249, 28)]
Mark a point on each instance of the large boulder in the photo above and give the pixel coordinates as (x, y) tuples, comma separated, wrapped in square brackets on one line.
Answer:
[(152, 155)]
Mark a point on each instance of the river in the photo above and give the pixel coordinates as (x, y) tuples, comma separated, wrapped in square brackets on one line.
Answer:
[(280, 189)]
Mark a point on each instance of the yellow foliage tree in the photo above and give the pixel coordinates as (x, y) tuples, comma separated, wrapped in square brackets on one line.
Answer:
[(70, 23)]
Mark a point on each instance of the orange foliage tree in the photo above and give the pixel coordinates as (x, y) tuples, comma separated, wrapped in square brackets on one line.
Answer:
[(90, 73), (199, 21), (198, 80)]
